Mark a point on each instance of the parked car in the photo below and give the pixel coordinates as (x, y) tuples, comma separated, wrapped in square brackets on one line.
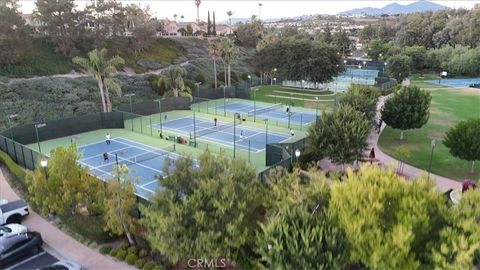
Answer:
[(13, 212), (19, 245), (11, 229), (63, 265)]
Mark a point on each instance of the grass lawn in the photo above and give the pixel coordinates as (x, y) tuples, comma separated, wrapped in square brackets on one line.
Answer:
[(297, 97), (447, 108)]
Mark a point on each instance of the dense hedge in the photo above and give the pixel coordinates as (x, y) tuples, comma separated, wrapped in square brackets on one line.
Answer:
[(17, 173), (51, 98)]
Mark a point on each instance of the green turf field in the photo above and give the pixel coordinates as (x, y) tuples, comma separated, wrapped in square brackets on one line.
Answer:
[(448, 107), (287, 95), (140, 129)]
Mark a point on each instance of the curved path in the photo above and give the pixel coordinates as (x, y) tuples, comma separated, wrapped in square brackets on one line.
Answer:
[(443, 183), (60, 244)]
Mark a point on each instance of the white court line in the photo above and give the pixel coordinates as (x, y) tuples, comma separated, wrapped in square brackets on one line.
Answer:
[(148, 183), (99, 155), (27, 260), (135, 184), (151, 147)]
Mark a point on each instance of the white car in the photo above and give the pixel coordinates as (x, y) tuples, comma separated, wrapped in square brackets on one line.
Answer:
[(66, 265), (11, 229)]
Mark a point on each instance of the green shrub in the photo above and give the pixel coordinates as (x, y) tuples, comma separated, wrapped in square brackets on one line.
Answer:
[(123, 246), (16, 172), (190, 84), (149, 64), (139, 263), (200, 78), (131, 259), (121, 254), (132, 250), (93, 245), (143, 253), (105, 249), (148, 266), (113, 252), (158, 267)]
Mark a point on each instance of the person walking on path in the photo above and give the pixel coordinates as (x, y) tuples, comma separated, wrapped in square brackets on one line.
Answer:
[(372, 155)]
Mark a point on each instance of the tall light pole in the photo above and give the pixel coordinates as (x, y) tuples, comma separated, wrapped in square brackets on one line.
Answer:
[(234, 132), (38, 126), (10, 117), (266, 131), (44, 164), (130, 101), (303, 82), (254, 104), (273, 74), (432, 144), (160, 113), (224, 102), (249, 81), (335, 94), (275, 81), (384, 65), (194, 130), (198, 88)]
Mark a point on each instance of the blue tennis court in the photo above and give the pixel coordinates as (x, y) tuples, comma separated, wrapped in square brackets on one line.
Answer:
[(456, 83), (144, 162), (276, 112), (253, 139)]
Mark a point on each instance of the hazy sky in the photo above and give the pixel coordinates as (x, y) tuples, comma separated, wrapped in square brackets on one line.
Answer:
[(244, 9)]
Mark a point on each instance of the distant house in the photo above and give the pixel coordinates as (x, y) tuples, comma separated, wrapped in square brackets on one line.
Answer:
[(31, 21)]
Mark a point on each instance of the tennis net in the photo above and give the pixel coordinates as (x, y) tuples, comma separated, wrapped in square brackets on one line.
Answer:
[(263, 110), (220, 126), (148, 155)]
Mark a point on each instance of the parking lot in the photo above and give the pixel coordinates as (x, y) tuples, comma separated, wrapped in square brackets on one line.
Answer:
[(35, 261)]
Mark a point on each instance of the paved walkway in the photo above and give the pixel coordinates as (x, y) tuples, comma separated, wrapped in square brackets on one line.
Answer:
[(60, 244), (443, 184)]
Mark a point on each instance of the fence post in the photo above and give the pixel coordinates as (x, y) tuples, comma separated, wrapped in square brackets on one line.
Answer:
[(151, 128), (141, 125), (248, 150)]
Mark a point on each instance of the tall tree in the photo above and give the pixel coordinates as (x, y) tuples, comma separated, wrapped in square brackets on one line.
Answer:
[(408, 108), (390, 223), (214, 31), (399, 67), (229, 14), (362, 98), (229, 55), (60, 22), (463, 140), (65, 188), (341, 136), (215, 51), (197, 3), (209, 211), (14, 41), (119, 204), (172, 78), (142, 28), (102, 69), (248, 34), (300, 60)]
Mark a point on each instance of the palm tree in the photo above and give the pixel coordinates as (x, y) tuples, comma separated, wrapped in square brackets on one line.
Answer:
[(230, 13), (197, 3), (229, 55), (175, 17), (215, 50), (172, 79), (101, 68), (181, 18)]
